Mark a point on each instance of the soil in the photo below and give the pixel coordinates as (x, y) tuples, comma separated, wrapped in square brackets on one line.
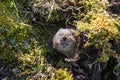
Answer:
[(114, 6)]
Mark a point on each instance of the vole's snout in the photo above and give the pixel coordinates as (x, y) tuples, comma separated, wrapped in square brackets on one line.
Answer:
[(64, 38)]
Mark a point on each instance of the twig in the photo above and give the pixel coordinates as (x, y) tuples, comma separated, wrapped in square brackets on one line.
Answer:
[(67, 21), (52, 7), (76, 57)]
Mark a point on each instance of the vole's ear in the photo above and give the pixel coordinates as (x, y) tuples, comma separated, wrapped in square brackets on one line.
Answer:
[(75, 32), (60, 29), (72, 31)]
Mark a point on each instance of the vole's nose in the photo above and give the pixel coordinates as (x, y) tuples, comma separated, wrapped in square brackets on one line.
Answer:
[(64, 38)]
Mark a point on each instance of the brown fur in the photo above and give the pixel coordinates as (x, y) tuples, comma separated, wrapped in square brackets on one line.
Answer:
[(65, 42)]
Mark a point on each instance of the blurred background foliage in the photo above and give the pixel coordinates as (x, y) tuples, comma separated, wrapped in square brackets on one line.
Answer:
[(27, 26)]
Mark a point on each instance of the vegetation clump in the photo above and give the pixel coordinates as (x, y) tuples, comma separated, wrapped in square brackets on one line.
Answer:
[(26, 28)]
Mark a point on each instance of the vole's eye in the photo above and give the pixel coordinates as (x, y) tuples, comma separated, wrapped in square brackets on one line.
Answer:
[(70, 34), (60, 34)]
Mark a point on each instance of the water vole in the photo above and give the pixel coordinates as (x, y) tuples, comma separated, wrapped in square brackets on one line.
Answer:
[(65, 42)]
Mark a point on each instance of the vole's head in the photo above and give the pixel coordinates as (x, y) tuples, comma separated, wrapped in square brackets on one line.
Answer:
[(64, 39)]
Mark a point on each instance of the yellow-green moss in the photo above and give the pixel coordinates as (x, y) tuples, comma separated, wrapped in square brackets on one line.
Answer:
[(25, 45), (103, 31)]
